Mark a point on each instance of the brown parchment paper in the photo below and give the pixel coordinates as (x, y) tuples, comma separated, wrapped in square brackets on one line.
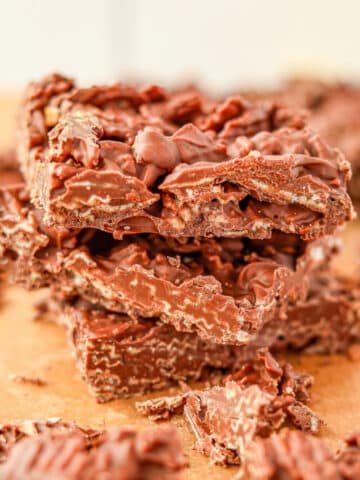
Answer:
[(39, 349)]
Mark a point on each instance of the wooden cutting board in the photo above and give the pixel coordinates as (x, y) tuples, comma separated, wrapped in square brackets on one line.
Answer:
[(39, 349)]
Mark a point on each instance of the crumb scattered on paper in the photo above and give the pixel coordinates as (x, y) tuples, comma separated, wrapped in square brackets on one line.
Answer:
[(25, 379)]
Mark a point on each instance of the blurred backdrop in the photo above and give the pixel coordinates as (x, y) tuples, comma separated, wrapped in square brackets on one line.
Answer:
[(222, 44)]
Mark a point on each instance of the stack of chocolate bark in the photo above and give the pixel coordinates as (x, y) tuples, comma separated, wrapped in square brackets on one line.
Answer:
[(178, 234)]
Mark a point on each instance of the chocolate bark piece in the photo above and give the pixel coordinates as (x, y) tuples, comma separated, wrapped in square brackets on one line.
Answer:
[(334, 112), (327, 321), (25, 379), (223, 289), (119, 357), (148, 161), (23, 241), (255, 401), (37, 250), (12, 191), (337, 118), (19, 235), (201, 286), (121, 453), (348, 459), (12, 433), (9, 178), (289, 455)]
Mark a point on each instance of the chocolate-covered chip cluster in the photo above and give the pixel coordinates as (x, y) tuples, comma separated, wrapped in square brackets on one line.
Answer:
[(206, 215)]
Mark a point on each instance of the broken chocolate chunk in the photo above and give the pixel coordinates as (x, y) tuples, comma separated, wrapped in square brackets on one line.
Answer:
[(253, 402)]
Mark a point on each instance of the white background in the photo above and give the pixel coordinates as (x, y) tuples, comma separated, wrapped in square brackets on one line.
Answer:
[(223, 44)]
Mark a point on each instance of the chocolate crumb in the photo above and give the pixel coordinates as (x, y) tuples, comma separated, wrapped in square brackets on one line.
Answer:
[(39, 382), (254, 402)]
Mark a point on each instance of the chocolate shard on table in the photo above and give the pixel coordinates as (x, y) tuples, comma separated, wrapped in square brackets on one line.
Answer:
[(122, 453), (27, 380), (291, 455), (224, 289), (255, 401), (119, 357), (126, 160)]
